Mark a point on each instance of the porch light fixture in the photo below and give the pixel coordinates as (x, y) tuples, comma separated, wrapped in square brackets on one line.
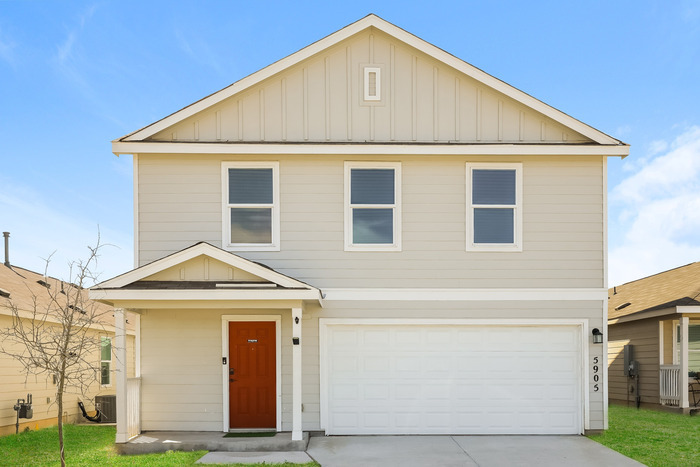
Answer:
[(597, 336)]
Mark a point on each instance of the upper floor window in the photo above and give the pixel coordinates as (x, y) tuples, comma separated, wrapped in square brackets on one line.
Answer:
[(251, 205), (372, 206), (494, 207)]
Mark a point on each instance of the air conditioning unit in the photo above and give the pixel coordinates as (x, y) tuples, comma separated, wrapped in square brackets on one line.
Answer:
[(107, 405)]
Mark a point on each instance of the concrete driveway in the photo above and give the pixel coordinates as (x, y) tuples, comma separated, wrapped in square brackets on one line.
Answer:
[(419, 451), (485, 451)]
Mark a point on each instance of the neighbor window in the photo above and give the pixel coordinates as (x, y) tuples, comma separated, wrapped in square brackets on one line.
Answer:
[(251, 205), (372, 206), (105, 361), (494, 207), (693, 347)]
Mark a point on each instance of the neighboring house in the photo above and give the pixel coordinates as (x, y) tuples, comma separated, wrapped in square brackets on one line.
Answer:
[(369, 236), (22, 288), (659, 316)]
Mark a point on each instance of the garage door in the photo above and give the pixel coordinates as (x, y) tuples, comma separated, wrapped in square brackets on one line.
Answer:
[(457, 379)]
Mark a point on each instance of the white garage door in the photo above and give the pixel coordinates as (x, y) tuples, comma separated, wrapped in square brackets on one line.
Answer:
[(457, 379)]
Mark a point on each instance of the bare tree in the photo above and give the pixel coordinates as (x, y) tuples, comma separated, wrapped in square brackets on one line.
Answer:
[(58, 333)]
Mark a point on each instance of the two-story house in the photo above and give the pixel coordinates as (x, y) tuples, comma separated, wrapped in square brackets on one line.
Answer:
[(369, 236)]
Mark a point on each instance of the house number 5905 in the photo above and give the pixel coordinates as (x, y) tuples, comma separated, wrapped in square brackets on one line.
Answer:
[(596, 376)]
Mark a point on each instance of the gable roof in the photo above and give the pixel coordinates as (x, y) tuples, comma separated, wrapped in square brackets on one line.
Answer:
[(145, 282), (370, 21), (676, 287)]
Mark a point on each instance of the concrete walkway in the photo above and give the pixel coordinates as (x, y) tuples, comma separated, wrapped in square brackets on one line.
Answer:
[(419, 451)]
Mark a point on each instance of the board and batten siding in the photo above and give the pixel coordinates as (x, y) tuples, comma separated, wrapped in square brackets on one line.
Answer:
[(179, 204), (322, 99)]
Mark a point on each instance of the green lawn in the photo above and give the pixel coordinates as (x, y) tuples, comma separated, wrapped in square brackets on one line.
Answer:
[(86, 446), (653, 438)]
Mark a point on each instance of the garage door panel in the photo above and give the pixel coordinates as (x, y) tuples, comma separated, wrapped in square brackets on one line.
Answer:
[(453, 379)]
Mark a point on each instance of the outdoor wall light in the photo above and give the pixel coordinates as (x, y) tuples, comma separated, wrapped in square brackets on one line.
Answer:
[(597, 336)]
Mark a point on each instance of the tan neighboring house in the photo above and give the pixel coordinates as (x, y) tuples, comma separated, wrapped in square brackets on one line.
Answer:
[(369, 236), (21, 287), (659, 317)]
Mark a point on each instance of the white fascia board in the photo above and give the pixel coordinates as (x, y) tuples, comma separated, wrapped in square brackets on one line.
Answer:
[(643, 315), (463, 294), (400, 34), (198, 250), (166, 147), (687, 309), (112, 295)]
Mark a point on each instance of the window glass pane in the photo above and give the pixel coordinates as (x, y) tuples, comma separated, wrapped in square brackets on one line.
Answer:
[(250, 186), (104, 373), (251, 225), (106, 353), (694, 337), (372, 186), (493, 187), (492, 225), (371, 226)]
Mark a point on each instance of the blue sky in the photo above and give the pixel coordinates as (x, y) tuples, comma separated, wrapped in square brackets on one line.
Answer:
[(76, 75)]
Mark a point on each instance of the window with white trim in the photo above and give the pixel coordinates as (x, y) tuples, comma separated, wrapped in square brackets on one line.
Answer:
[(494, 207), (372, 206), (251, 205), (693, 347), (105, 361)]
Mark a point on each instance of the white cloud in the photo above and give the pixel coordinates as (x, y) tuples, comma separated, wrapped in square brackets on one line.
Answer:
[(658, 212), (39, 227)]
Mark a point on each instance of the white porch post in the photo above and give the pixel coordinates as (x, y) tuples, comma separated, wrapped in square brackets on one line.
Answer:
[(120, 353), (684, 362), (137, 345), (661, 342), (296, 375)]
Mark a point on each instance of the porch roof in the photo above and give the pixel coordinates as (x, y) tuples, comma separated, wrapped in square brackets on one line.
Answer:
[(202, 272)]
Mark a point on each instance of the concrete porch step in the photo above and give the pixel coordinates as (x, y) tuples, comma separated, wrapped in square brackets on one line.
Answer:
[(162, 441)]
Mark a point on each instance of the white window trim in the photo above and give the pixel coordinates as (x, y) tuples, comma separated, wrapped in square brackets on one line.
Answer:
[(378, 74), (111, 349), (396, 245), (517, 244), (225, 207)]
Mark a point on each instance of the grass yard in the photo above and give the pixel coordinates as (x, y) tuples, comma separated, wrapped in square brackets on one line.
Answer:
[(653, 438), (87, 446)]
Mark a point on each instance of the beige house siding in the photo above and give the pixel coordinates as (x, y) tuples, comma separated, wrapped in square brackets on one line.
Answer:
[(181, 355), (322, 99), (180, 198), (16, 385), (644, 336)]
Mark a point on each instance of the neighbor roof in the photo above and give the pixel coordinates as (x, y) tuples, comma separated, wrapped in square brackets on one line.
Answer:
[(677, 287), (28, 289)]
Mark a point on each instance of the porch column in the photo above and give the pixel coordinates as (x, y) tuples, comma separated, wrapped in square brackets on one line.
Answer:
[(684, 362), (661, 342), (120, 354), (296, 375)]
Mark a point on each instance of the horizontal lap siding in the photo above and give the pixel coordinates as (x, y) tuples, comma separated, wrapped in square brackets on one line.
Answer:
[(644, 337), (180, 204), (15, 384), (181, 372)]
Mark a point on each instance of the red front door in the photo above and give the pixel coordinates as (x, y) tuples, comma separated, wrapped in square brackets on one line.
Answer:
[(252, 374)]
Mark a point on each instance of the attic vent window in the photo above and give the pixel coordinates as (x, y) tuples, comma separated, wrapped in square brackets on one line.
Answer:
[(624, 305), (4, 293), (44, 283), (78, 309), (373, 84)]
